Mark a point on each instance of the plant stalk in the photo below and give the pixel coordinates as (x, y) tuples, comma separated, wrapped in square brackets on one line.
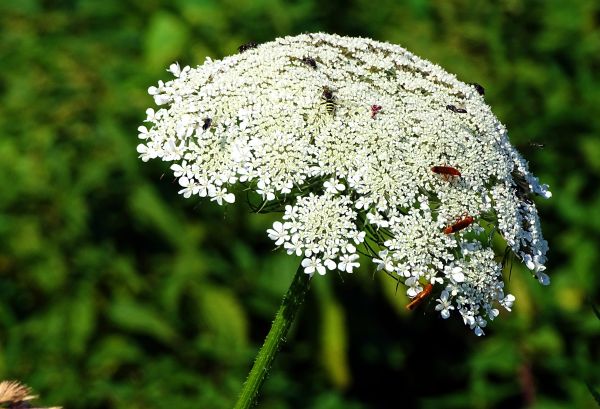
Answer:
[(290, 305)]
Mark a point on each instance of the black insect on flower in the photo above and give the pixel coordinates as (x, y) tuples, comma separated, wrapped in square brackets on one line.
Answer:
[(247, 46), (480, 90), (310, 62), (328, 100), (522, 189), (455, 109)]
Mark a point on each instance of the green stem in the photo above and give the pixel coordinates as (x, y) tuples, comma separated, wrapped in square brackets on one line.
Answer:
[(292, 301)]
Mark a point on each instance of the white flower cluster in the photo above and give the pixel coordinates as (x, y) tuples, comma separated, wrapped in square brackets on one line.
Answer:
[(322, 229), (364, 146)]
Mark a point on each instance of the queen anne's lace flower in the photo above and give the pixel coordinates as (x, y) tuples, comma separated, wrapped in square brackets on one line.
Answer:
[(366, 148)]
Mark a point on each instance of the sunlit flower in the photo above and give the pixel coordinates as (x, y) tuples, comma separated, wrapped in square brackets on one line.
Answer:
[(444, 305), (348, 262), (385, 262), (413, 286), (370, 146), (14, 394), (279, 233), (313, 264)]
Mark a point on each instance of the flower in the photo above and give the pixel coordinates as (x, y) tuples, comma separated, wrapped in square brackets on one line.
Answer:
[(385, 262), (324, 226), (333, 186), (14, 394), (279, 233), (413, 285), (219, 195), (313, 264), (421, 183), (444, 305), (348, 262)]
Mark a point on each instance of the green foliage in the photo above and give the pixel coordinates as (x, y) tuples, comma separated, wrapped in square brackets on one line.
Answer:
[(333, 336), (594, 393), (118, 293), (596, 311)]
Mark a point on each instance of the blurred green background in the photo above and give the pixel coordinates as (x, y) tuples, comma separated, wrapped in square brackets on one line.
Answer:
[(118, 293)]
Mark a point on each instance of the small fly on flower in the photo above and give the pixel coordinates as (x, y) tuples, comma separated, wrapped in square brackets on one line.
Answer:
[(310, 62), (420, 297), (480, 90), (522, 189), (453, 108), (459, 224), (247, 46), (206, 123), (328, 100)]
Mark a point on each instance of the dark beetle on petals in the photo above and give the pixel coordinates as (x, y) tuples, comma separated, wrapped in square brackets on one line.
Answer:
[(249, 45), (480, 90), (455, 109), (310, 62)]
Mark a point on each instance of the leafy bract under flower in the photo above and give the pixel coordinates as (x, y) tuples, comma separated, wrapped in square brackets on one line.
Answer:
[(362, 144)]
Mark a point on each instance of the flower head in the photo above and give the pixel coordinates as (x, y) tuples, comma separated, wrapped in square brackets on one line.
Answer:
[(357, 140), (14, 394)]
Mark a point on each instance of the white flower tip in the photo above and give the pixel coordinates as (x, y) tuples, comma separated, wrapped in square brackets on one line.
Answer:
[(543, 278), (545, 192), (229, 198), (184, 181), (174, 69), (330, 264), (530, 264), (508, 302), (459, 277)]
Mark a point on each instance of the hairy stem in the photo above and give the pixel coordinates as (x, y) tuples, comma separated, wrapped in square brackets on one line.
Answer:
[(292, 301)]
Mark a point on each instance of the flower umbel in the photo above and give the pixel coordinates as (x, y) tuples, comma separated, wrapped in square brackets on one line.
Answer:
[(16, 395), (365, 148)]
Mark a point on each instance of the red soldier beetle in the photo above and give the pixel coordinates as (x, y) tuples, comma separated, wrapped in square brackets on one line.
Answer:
[(459, 225), (447, 171), (420, 297)]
